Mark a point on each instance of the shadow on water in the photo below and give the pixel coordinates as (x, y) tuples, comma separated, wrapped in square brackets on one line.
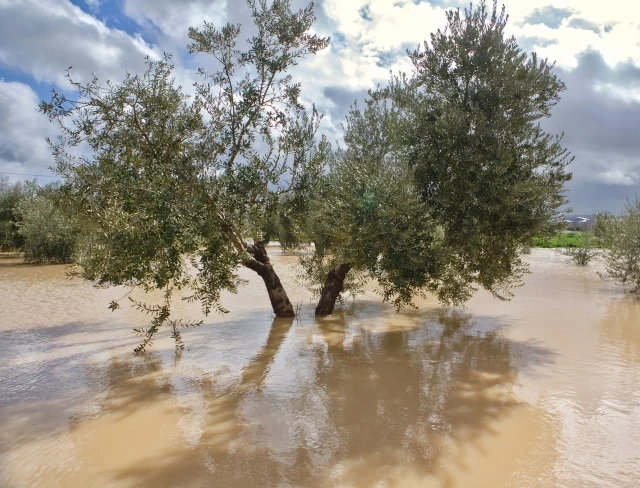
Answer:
[(414, 392), (333, 402), (364, 396), (47, 379)]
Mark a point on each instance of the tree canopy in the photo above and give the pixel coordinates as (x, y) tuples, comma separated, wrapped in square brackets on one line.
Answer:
[(10, 196), (482, 162), (621, 236), (50, 234), (463, 130), (167, 176)]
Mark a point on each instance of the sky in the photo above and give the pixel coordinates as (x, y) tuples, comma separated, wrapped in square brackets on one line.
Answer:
[(595, 47)]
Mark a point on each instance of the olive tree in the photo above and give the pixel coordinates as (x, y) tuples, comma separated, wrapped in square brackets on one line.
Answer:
[(585, 249), (49, 234), (467, 127), (603, 228), (10, 196), (485, 167), (622, 236), (168, 177), (367, 220)]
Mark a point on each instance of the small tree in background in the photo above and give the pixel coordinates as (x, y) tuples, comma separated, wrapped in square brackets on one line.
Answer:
[(623, 237), (49, 235), (603, 229), (10, 197), (585, 249)]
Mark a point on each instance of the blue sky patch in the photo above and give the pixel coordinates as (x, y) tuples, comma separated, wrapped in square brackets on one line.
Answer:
[(110, 13), (43, 90), (338, 42)]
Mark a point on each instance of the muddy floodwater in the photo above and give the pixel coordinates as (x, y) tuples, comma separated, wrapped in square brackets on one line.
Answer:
[(542, 391)]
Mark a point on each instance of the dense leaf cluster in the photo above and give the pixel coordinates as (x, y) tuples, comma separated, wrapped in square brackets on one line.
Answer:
[(447, 173), (10, 196), (50, 235), (622, 239), (157, 176), (32, 222)]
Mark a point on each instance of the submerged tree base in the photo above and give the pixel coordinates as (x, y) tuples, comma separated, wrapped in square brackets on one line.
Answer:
[(261, 264), (331, 290)]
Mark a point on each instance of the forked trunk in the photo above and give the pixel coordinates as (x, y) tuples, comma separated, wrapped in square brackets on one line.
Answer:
[(331, 290), (261, 264)]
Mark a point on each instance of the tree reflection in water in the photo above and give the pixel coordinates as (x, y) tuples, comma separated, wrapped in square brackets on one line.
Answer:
[(337, 403), (352, 400)]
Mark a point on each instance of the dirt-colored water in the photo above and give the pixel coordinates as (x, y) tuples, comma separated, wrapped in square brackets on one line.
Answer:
[(542, 391)]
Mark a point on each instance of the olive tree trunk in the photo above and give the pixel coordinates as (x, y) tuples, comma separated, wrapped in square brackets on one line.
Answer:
[(331, 290), (261, 264)]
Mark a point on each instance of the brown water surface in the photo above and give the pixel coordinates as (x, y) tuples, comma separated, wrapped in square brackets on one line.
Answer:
[(540, 391)]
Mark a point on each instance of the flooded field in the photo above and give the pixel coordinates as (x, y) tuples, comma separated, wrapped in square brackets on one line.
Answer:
[(542, 391)]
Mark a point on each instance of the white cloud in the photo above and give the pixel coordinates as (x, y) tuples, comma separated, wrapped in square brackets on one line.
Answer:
[(626, 94), (619, 177), (93, 4), (22, 132), (393, 26), (45, 38), (174, 18), (618, 43)]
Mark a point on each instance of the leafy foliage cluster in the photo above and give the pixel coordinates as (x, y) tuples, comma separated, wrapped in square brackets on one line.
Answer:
[(584, 250), (33, 222), (10, 197), (447, 173), (168, 176), (50, 235), (485, 167), (366, 212), (622, 237)]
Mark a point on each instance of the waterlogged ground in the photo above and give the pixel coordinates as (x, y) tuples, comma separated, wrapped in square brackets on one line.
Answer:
[(542, 391)]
